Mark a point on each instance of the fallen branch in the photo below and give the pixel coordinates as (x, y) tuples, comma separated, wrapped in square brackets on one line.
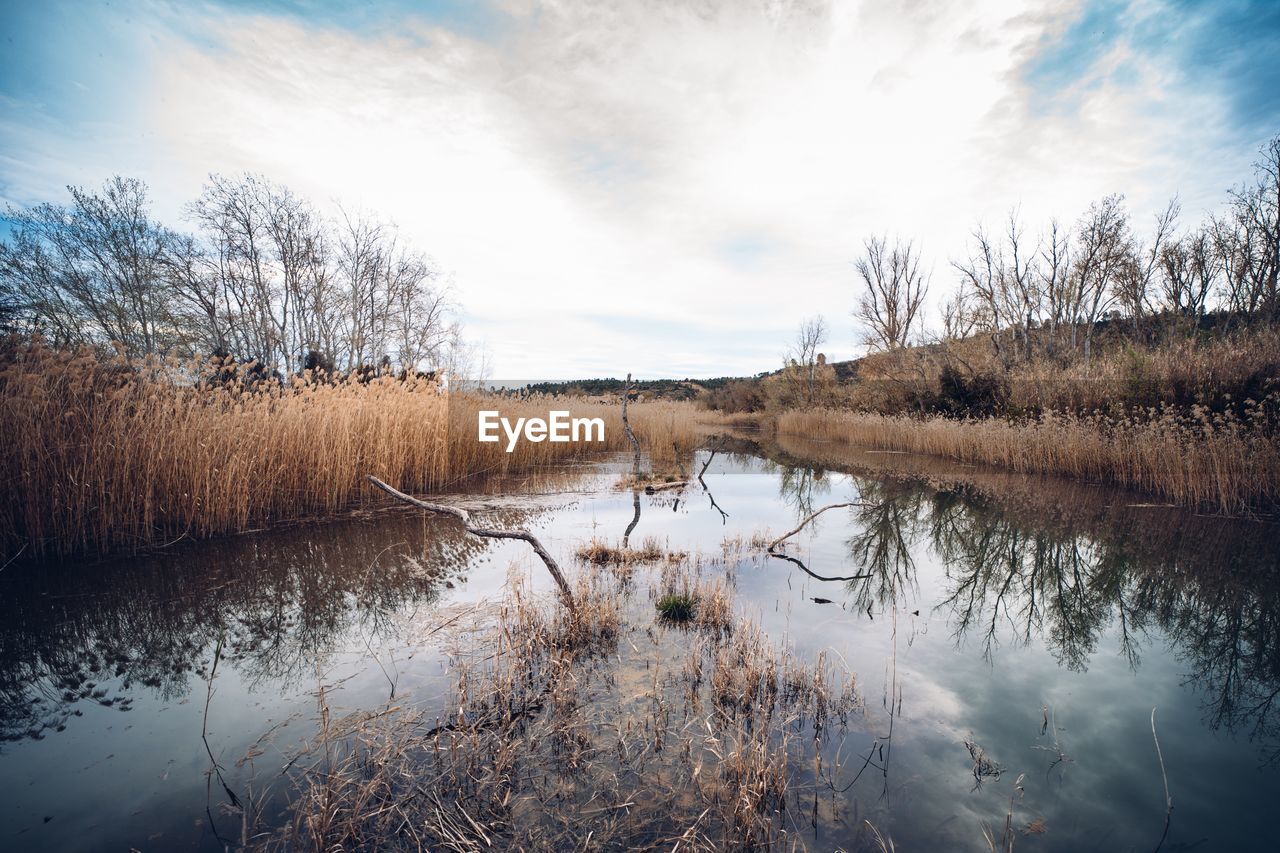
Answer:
[(487, 533), (774, 544), (724, 516), (626, 425), (650, 488), (773, 552), (813, 574), (1168, 815)]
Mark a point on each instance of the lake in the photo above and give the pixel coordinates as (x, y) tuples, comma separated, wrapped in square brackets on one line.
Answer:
[(149, 701)]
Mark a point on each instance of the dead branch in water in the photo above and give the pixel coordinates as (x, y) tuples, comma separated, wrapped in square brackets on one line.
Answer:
[(1168, 815), (724, 516), (626, 425), (486, 532), (774, 544), (811, 573)]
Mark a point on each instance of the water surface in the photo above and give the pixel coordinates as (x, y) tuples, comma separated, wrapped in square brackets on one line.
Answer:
[(147, 702)]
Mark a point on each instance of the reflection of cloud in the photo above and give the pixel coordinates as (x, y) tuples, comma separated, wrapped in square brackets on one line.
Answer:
[(716, 162)]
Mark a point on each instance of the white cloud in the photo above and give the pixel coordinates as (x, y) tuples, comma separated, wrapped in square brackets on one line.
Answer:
[(715, 164)]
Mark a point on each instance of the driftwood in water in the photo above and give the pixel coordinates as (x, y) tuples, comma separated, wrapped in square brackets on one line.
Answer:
[(724, 516), (487, 533), (635, 467), (775, 543), (773, 546), (626, 425)]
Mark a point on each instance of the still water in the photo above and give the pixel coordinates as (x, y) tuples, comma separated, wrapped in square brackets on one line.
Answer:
[(145, 702)]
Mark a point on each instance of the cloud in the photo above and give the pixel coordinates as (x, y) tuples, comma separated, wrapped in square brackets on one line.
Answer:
[(700, 175)]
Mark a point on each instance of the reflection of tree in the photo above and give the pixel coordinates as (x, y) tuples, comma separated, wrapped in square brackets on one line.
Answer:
[(1062, 563), (1210, 587), (799, 486), (1226, 626), (283, 601), (1030, 580), (881, 547)]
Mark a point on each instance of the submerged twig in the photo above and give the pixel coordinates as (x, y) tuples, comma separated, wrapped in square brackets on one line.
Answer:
[(772, 548), (487, 533), (724, 516), (811, 573), (775, 543), (626, 425), (1168, 815)]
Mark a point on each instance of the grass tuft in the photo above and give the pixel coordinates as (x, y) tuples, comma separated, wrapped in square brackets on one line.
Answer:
[(678, 607)]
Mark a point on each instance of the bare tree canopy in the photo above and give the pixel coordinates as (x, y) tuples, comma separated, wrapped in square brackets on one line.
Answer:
[(92, 271), (265, 276), (806, 373), (893, 291)]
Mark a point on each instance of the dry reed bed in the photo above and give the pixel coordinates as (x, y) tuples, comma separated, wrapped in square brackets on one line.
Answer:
[(1208, 461), (609, 727), (102, 453), (1216, 371)]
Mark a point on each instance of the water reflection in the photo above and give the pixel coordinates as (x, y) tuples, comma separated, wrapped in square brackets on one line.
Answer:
[(962, 580), (886, 526), (1063, 565), (275, 605)]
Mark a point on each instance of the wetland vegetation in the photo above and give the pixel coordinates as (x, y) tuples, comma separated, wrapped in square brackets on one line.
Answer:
[(383, 681), (931, 598)]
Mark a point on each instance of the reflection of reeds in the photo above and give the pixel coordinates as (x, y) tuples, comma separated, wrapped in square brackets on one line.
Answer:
[(1216, 461), (104, 453), (557, 732)]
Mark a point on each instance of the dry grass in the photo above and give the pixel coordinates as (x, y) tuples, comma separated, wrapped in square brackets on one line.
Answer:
[(682, 588), (1206, 460), (1218, 372), (667, 431), (103, 453), (602, 553), (602, 728)]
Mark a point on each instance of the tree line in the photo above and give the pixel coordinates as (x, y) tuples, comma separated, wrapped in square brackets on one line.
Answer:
[(1068, 278), (262, 275)]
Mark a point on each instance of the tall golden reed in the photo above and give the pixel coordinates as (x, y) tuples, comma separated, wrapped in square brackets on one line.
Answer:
[(104, 454), (1199, 461)]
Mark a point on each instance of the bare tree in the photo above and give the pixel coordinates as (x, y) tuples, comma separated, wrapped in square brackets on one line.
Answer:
[(1188, 270), (391, 299), (961, 314), (89, 272), (233, 221), (265, 277), (1003, 277), (1103, 248), (893, 291), (1133, 285), (1021, 281), (1055, 279), (806, 371), (1248, 240)]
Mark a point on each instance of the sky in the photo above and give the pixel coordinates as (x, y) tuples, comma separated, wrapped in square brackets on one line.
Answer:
[(662, 187)]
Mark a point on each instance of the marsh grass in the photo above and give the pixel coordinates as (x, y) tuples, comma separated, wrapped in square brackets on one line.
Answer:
[(677, 607), (105, 453), (602, 728), (601, 553), (1219, 372), (1198, 460)]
